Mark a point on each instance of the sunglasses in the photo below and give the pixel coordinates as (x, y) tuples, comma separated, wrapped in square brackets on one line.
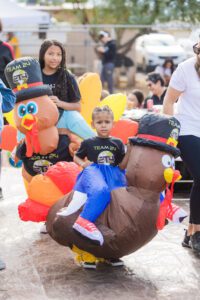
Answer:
[(196, 49)]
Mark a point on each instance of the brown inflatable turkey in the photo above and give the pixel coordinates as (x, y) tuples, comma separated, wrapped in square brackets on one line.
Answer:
[(129, 221)]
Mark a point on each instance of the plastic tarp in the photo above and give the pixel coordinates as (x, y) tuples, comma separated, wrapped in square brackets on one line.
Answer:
[(13, 16)]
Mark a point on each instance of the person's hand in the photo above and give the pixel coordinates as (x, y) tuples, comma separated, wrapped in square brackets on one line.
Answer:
[(100, 49), (55, 100), (86, 164)]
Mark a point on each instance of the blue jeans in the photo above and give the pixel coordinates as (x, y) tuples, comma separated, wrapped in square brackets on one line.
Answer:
[(107, 75)]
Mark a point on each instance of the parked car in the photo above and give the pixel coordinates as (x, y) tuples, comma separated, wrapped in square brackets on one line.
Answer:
[(152, 50), (187, 45)]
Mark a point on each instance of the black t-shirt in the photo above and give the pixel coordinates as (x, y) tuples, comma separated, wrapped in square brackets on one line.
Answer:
[(6, 56), (110, 52), (106, 151), (71, 88), (156, 99), (38, 164)]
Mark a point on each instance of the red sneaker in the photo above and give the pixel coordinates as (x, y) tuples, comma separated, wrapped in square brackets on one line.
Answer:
[(88, 230)]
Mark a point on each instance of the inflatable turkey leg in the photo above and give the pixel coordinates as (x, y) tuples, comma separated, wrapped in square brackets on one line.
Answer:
[(129, 221)]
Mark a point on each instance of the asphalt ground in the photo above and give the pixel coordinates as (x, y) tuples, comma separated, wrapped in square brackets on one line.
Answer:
[(39, 269)]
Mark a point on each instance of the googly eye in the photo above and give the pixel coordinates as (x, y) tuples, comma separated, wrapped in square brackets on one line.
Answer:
[(173, 162), (32, 108), (21, 110), (166, 161)]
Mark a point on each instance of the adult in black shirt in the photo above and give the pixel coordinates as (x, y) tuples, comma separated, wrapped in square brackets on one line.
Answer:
[(156, 85), (108, 51)]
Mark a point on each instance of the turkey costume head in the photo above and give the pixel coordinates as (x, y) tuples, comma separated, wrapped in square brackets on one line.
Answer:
[(34, 113), (129, 221)]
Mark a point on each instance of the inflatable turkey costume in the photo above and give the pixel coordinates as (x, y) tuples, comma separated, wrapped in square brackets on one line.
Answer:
[(129, 221), (36, 116)]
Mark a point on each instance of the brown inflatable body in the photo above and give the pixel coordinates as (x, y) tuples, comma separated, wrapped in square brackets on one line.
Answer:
[(129, 222)]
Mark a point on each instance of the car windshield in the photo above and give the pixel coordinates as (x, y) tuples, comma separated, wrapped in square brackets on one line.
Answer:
[(160, 42)]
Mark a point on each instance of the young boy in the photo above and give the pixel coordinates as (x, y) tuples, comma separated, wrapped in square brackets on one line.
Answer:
[(102, 158)]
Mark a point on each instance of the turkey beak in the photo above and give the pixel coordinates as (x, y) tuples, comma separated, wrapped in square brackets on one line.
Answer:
[(28, 121), (171, 175)]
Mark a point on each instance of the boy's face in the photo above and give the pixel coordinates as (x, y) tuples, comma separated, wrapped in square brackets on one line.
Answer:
[(103, 123)]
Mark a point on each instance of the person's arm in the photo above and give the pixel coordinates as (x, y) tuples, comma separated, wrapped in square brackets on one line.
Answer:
[(170, 98), (123, 163), (82, 162), (80, 157), (8, 98), (74, 96), (66, 105)]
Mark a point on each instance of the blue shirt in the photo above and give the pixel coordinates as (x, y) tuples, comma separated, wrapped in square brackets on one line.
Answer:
[(7, 101)]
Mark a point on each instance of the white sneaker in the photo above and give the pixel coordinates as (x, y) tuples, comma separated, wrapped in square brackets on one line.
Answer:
[(43, 229), (89, 265), (115, 262)]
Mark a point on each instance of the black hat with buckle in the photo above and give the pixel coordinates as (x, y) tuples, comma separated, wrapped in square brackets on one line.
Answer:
[(25, 79), (159, 132)]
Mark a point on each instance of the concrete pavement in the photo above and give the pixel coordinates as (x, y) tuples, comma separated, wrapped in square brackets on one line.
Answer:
[(40, 269)]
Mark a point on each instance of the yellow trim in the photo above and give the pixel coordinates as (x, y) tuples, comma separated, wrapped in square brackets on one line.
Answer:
[(83, 256)]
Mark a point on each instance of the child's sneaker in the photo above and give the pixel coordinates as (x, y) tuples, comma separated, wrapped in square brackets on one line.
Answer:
[(89, 265), (43, 229), (186, 241), (115, 262), (88, 230)]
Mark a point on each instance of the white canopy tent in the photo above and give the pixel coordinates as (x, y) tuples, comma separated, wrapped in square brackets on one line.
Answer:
[(15, 17)]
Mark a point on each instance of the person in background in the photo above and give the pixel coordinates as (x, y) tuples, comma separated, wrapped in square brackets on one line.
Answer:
[(166, 70), (135, 99), (185, 86), (104, 94), (7, 101), (6, 56), (14, 42), (108, 51), (157, 89), (66, 94)]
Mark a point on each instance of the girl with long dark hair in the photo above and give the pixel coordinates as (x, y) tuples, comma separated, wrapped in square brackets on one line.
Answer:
[(66, 94)]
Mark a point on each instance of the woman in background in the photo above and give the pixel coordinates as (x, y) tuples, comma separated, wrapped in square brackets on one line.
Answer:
[(166, 70), (185, 86)]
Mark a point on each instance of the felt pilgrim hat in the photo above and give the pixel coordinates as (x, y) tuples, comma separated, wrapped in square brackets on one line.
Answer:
[(159, 132), (25, 79)]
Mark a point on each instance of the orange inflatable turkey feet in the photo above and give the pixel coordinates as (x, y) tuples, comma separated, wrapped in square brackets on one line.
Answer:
[(129, 221)]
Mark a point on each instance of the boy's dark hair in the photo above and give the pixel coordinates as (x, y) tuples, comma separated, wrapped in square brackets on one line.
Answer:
[(155, 77), (60, 89), (104, 108)]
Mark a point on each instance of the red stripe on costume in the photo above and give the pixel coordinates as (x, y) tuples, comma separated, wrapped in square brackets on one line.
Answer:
[(152, 138), (29, 85)]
